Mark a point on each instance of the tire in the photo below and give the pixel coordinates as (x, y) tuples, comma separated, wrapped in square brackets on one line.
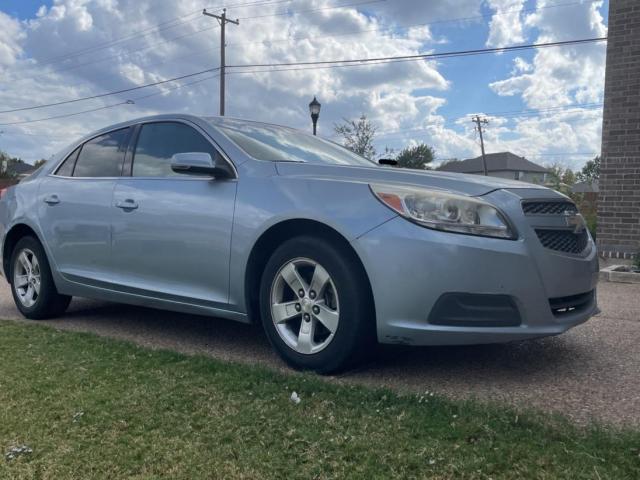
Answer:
[(46, 302), (343, 304)]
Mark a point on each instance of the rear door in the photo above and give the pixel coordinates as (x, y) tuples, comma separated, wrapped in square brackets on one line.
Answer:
[(75, 207), (172, 232)]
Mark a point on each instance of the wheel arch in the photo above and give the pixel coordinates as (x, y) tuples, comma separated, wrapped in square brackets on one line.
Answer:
[(273, 237), (15, 233)]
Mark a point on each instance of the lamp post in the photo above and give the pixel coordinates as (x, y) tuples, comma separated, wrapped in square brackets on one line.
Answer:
[(314, 109)]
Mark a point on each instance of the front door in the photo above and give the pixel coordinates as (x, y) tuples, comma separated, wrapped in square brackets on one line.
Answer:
[(172, 232), (74, 207)]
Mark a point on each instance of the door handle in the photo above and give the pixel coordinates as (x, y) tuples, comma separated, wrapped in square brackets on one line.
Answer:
[(127, 204), (52, 199)]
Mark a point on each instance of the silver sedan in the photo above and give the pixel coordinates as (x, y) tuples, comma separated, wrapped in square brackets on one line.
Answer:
[(330, 251)]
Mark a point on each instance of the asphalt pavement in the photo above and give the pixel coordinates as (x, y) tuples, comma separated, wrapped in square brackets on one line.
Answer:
[(591, 373)]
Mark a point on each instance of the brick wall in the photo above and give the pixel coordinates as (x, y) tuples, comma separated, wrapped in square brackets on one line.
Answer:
[(619, 202)]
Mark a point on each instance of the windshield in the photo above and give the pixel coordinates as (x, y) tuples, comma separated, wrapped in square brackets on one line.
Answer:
[(274, 143)]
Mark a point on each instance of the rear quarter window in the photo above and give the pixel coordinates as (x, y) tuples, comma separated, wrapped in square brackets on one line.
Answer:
[(66, 168)]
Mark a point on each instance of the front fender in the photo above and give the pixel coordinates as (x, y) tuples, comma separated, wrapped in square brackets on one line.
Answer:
[(349, 208)]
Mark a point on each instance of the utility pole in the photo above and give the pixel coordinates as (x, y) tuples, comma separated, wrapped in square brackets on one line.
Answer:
[(222, 20), (479, 122)]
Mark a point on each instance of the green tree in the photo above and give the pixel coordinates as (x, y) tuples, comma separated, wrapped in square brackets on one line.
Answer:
[(417, 156), (6, 164), (568, 177), (560, 178), (358, 136), (39, 163), (590, 171)]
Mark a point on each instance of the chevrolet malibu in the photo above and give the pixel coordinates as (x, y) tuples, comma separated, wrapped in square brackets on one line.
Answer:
[(328, 250)]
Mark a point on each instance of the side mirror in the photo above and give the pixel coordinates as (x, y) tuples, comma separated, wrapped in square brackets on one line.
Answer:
[(197, 163)]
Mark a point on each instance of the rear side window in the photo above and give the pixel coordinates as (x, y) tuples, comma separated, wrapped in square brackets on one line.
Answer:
[(158, 142), (103, 156), (66, 169)]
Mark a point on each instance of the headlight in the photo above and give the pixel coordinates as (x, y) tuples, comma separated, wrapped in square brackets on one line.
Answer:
[(444, 211)]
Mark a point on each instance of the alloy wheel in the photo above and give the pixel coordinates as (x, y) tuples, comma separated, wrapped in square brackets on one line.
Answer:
[(26, 277), (304, 306)]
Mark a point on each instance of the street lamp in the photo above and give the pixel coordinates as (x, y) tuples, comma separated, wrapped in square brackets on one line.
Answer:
[(314, 109)]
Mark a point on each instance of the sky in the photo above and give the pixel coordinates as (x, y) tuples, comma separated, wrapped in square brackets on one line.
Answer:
[(543, 104)]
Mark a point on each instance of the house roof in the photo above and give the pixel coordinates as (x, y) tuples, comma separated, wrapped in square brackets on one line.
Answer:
[(21, 168), (502, 161)]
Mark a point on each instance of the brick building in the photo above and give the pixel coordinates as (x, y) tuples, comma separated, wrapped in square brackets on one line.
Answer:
[(619, 202)]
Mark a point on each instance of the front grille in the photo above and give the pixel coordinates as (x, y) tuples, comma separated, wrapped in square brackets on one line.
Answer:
[(573, 303), (563, 240), (549, 208)]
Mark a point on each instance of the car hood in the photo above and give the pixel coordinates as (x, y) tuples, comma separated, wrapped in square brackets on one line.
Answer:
[(472, 185)]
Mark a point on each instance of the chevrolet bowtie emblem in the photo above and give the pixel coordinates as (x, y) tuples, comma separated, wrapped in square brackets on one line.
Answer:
[(576, 221)]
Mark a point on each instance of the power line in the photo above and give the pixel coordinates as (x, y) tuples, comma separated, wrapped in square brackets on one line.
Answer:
[(166, 25), (131, 52), (316, 37), (170, 40), (124, 90), (424, 56), (22, 122), (260, 3), (454, 120), (424, 24), (127, 102), (336, 63), (111, 43), (279, 14)]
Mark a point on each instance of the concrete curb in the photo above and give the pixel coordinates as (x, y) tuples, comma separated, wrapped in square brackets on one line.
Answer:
[(608, 274)]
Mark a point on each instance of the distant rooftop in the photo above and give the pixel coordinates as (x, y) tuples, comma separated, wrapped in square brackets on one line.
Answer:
[(586, 187), (496, 162), (21, 168)]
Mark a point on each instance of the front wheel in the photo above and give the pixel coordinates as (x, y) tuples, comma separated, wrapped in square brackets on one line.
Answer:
[(32, 285), (315, 306)]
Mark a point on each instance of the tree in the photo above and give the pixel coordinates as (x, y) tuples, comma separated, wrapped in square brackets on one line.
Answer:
[(6, 162), (39, 163), (560, 178), (358, 136), (590, 172), (417, 157), (568, 177)]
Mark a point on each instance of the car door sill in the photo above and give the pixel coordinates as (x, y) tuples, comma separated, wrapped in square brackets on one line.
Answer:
[(110, 292)]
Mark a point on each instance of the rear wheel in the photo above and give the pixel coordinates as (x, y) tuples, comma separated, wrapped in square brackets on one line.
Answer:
[(32, 285), (315, 306)]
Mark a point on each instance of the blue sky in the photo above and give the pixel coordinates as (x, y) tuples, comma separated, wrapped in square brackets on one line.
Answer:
[(409, 102), (24, 9)]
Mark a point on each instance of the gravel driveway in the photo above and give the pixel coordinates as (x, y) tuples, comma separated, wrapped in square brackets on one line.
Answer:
[(590, 373)]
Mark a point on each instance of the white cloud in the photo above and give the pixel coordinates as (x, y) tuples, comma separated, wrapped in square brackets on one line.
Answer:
[(562, 75), (505, 28), (559, 76), (520, 65), (10, 37)]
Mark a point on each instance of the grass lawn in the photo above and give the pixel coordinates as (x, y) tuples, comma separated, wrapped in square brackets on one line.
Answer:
[(92, 408)]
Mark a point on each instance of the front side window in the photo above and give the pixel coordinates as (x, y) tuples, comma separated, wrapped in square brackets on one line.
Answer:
[(158, 142), (102, 156)]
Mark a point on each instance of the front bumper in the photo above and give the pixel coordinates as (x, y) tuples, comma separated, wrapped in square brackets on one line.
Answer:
[(410, 268)]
